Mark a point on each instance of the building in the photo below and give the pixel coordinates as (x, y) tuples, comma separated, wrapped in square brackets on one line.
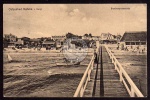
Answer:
[(11, 44), (118, 37), (19, 42), (26, 41), (10, 37), (72, 46), (91, 37), (107, 38), (60, 38), (134, 39), (5, 43), (8, 40), (96, 38), (87, 37), (35, 42), (59, 44), (47, 44)]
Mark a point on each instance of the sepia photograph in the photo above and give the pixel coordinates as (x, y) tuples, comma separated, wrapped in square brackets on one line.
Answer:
[(75, 50)]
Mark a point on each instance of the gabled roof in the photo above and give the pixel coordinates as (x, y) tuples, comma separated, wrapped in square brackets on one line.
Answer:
[(106, 36), (134, 36)]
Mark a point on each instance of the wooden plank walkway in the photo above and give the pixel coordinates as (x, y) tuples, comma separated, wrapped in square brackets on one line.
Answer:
[(105, 79)]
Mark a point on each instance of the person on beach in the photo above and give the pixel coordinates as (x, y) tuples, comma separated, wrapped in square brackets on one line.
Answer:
[(138, 49), (122, 46), (126, 49), (20, 47), (117, 46), (39, 48), (61, 49)]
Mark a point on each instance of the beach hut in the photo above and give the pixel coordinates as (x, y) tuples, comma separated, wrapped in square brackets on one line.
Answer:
[(133, 40)]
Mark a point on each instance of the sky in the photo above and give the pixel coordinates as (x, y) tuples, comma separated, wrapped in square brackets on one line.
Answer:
[(59, 19)]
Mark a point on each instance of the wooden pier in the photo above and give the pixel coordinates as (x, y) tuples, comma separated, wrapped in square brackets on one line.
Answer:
[(106, 78)]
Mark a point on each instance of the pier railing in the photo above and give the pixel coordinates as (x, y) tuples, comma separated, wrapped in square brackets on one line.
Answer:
[(86, 77), (124, 77)]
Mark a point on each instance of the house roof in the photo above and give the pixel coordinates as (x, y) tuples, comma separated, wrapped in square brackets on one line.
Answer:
[(48, 42), (35, 40), (58, 36), (96, 36), (134, 36), (18, 42), (25, 38), (11, 42)]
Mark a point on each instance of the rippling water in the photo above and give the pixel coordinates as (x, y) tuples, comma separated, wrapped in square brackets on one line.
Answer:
[(36, 75)]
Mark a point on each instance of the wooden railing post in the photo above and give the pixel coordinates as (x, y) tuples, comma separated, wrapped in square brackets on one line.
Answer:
[(115, 65), (81, 91), (112, 59), (89, 72), (121, 78), (92, 64)]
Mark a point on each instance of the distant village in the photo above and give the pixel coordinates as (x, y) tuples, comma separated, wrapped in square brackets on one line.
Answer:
[(129, 40)]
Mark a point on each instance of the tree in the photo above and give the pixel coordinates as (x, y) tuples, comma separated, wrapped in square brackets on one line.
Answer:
[(119, 37), (86, 35), (80, 37), (90, 35), (70, 35), (114, 36)]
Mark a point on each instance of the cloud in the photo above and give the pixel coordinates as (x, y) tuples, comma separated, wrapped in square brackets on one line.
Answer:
[(58, 19), (76, 15)]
